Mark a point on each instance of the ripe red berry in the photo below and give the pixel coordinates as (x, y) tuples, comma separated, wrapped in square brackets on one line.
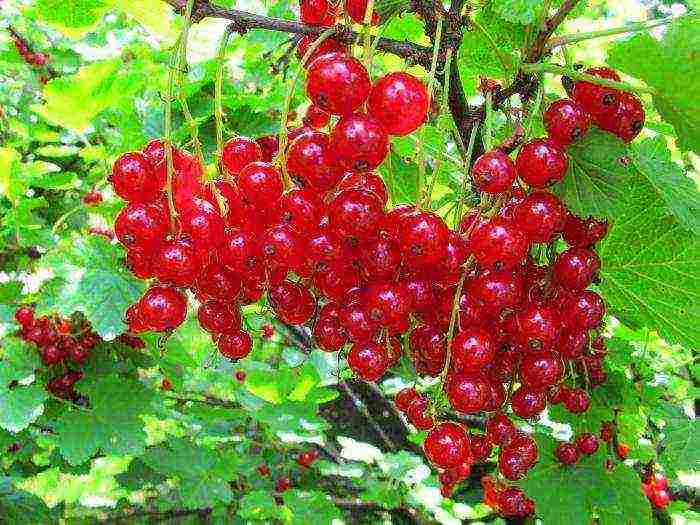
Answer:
[(316, 117), (660, 498), (517, 456), (176, 262), (355, 213), (585, 310), (134, 178), (238, 152), (315, 12), (566, 453), (367, 181), (329, 335), (264, 470), (311, 162), (24, 316), (162, 308), (500, 429), (582, 233), (566, 121), (468, 393), (595, 99), (368, 360), (498, 244), (417, 413), (235, 345), (447, 445), (528, 403), (625, 119), (493, 172), (52, 355), (541, 370), (423, 237), (498, 289), (283, 484), (404, 398), (360, 142), (537, 327), (240, 376), (540, 216), (472, 349), (217, 318), (337, 83), (92, 197), (141, 225), (399, 101), (512, 502), (576, 268), (269, 144), (356, 10), (587, 443), (622, 451), (329, 45), (260, 184), (607, 431), (576, 400), (541, 163)]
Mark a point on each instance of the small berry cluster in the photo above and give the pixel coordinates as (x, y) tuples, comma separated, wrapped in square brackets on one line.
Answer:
[(655, 488), (587, 444), (64, 346), (507, 501), (30, 57)]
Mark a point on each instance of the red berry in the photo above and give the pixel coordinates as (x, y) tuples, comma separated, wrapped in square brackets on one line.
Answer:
[(660, 498), (587, 443), (513, 502), (447, 445), (540, 216), (260, 184), (541, 370), (52, 355), (368, 360), (566, 121), (141, 225), (360, 142), (367, 181), (235, 345), (576, 400), (135, 179), (517, 456), (217, 318), (355, 213), (404, 398), (329, 45), (399, 101), (607, 431), (283, 484), (238, 152), (472, 349), (92, 197), (583, 233), (356, 10), (566, 453), (468, 393), (498, 244), (417, 413), (240, 376), (537, 327), (316, 117), (622, 451), (576, 268), (202, 221), (269, 144), (166, 385), (627, 120), (541, 162), (241, 252), (329, 335), (388, 303), (176, 262), (493, 172), (311, 162), (528, 403), (24, 316), (498, 289), (337, 83), (314, 12), (264, 470), (423, 237), (480, 446), (585, 310), (500, 429), (306, 459), (595, 99), (162, 308)]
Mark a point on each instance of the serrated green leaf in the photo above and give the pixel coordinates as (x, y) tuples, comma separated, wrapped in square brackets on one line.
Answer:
[(18, 507), (650, 268), (310, 507), (519, 11), (258, 505), (74, 18), (670, 66), (652, 159), (154, 15), (574, 495), (382, 492), (112, 424), (90, 277), (682, 440), (599, 176), (22, 403)]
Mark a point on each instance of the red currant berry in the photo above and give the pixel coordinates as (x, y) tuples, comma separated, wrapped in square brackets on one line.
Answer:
[(539, 371), (337, 83), (447, 445), (368, 360), (480, 446), (328, 46), (238, 152), (537, 327), (498, 289), (141, 225), (576, 400), (566, 453), (404, 398), (593, 98), (566, 121), (512, 502), (24, 316), (500, 429), (202, 221), (468, 393), (52, 355), (134, 178), (423, 237), (607, 431), (269, 144), (660, 498), (367, 181), (162, 308), (541, 163), (587, 443), (216, 317), (417, 413), (528, 403), (517, 456), (498, 244), (359, 142), (585, 310), (356, 10), (316, 117), (583, 233), (310, 161), (399, 101), (176, 262), (314, 12), (329, 335), (626, 119), (576, 268), (283, 484), (472, 348), (493, 172), (540, 216), (260, 184), (355, 213), (235, 345)]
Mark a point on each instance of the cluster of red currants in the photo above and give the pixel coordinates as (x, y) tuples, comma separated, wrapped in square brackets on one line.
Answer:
[(587, 444), (64, 345), (655, 488), (505, 500), (34, 59)]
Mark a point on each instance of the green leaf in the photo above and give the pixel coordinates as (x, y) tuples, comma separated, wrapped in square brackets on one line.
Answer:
[(22, 403), (682, 440), (598, 177), (574, 495), (19, 507), (90, 277), (74, 18), (258, 505), (112, 424), (154, 15), (382, 492), (401, 176), (518, 11), (670, 66), (203, 473), (650, 272), (652, 159), (73, 101), (310, 507)]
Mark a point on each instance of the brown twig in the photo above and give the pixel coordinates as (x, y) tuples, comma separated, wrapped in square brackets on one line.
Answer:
[(363, 409)]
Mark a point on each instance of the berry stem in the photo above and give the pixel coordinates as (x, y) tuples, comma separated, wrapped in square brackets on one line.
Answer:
[(534, 110), (281, 154), (487, 136), (577, 75), (431, 84), (218, 94), (168, 129), (367, 22), (467, 166), (630, 28)]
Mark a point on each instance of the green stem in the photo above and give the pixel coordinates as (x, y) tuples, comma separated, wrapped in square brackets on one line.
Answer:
[(168, 129), (631, 28), (487, 136), (367, 21), (577, 75), (431, 84), (534, 110), (65, 216), (467, 166), (218, 95)]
